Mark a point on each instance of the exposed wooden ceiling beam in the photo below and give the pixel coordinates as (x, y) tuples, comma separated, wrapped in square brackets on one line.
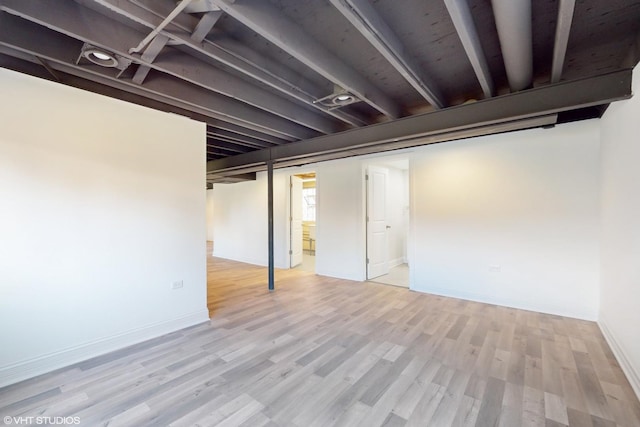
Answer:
[(235, 129), (200, 6), (250, 63), (468, 34), (263, 18), (365, 19), (29, 64), (61, 52), (205, 25), (149, 55), (228, 146), (230, 179), (563, 29), (234, 142), (177, 10), (250, 142), (70, 19), (481, 115)]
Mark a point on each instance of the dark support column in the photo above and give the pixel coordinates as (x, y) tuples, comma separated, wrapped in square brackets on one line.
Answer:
[(270, 209)]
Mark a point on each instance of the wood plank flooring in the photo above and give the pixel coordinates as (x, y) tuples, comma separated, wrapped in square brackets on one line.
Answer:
[(322, 351)]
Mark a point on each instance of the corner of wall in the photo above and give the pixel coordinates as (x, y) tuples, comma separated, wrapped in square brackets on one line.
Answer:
[(619, 233), (627, 367)]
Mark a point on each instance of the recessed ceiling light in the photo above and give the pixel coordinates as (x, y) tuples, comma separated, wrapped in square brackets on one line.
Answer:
[(343, 99), (100, 57), (339, 98)]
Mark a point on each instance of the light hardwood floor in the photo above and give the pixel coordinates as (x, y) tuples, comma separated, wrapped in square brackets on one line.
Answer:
[(322, 351)]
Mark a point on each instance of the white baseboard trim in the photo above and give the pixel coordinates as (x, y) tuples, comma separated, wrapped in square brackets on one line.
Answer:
[(247, 260), (255, 261), (20, 371), (396, 262), (512, 303), (623, 360)]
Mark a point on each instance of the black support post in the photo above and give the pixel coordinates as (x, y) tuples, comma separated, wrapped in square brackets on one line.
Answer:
[(270, 209)]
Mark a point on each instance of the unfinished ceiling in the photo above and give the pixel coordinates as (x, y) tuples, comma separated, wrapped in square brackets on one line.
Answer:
[(267, 73)]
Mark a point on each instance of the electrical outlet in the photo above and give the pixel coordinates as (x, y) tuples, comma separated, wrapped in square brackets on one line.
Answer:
[(494, 268), (177, 284)]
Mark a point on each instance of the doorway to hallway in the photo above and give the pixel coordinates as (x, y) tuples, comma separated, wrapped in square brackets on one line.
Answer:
[(387, 221), (302, 220)]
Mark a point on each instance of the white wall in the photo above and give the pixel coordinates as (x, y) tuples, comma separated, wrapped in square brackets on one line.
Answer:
[(209, 213), (397, 210), (524, 203), (240, 225), (340, 226), (406, 216), (240, 220), (620, 285), (101, 208)]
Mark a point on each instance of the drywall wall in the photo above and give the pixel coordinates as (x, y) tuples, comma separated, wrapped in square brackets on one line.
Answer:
[(510, 219), (240, 220), (102, 209), (209, 214), (620, 239), (396, 209), (398, 212), (340, 227), (406, 216)]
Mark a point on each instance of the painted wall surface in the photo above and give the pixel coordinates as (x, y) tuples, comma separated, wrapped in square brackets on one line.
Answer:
[(240, 225), (209, 214), (398, 212), (620, 284), (101, 209), (340, 225), (510, 219), (406, 216)]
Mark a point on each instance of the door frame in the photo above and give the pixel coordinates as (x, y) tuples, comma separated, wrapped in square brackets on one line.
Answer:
[(290, 173), (291, 222), (384, 161), (369, 169)]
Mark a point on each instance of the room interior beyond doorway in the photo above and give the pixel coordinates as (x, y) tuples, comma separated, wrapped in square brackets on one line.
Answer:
[(387, 197), (303, 221)]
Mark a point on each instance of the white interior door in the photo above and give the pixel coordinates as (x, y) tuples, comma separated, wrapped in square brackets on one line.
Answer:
[(377, 243), (295, 219)]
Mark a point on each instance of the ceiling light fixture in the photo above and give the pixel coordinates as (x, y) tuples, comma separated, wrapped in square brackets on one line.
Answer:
[(339, 98), (343, 98), (100, 57)]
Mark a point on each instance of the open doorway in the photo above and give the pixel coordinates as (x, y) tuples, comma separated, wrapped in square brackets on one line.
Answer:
[(387, 221), (303, 222)]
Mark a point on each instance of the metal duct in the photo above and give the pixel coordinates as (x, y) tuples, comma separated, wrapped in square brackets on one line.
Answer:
[(513, 21)]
